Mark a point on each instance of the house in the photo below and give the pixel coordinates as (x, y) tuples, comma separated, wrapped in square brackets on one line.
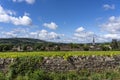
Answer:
[(17, 48)]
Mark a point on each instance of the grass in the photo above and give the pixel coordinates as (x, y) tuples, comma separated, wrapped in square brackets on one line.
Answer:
[(64, 54)]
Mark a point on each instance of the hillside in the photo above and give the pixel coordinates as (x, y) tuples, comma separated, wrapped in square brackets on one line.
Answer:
[(20, 41)]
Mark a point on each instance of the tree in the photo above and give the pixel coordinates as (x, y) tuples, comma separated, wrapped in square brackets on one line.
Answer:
[(74, 45), (42, 48), (86, 48), (114, 44), (1, 47), (7, 47), (37, 46), (105, 47), (25, 47)]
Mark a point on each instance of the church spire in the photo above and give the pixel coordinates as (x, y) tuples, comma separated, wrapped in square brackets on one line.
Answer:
[(93, 41)]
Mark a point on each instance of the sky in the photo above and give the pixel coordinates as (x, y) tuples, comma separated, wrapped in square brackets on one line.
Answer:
[(67, 21)]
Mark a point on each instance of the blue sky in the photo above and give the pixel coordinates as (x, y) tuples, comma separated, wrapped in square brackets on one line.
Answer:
[(61, 20)]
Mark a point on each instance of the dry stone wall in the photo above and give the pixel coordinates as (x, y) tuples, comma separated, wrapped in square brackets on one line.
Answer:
[(77, 63), (93, 63)]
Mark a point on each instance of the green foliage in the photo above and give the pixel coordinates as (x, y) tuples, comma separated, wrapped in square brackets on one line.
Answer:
[(86, 48), (105, 48), (5, 47), (84, 73), (74, 45), (57, 53), (114, 44), (1, 48), (2, 76), (38, 47), (39, 74), (24, 65), (21, 78), (96, 76)]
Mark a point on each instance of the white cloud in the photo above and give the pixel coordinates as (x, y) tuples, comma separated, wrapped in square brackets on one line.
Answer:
[(25, 21), (112, 36), (33, 35), (10, 12), (53, 35), (27, 1), (19, 32), (44, 34), (112, 25), (7, 16), (81, 35), (108, 7), (8, 34), (25, 32), (51, 25), (84, 36), (80, 29), (111, 28), (101, 38), (26, 14)]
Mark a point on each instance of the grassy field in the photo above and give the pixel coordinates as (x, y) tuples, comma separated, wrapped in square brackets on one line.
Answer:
[(57, 53)]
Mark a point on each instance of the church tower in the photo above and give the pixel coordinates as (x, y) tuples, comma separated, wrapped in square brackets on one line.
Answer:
[(93, 41)]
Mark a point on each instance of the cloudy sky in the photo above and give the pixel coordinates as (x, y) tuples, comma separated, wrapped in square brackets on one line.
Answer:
[(61, 20)]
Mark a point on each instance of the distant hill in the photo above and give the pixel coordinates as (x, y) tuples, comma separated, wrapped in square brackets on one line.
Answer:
[(20, 41)]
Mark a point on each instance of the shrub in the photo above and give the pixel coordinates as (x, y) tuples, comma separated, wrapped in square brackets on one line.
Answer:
[(96, 76), (24, 65), (38, 75), (86, 48), (2, 76)]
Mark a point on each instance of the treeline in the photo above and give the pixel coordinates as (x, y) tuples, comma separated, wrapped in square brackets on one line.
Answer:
[(50, 46)]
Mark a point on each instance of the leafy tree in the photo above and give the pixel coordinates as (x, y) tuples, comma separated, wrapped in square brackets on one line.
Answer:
[(114, 44), (74, 45), (38, 46), (105, 47), (1, 47), (2, 76), (25, 47), (42, 48), (86, 47), (7, 47)]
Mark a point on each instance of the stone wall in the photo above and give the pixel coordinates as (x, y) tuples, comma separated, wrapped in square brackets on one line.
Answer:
[(5, 63), (93, 63)]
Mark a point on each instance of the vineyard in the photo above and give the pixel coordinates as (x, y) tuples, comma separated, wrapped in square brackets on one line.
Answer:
[(64, 54)]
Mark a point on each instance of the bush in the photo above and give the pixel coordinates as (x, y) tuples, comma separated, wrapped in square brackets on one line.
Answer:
[(24, 65), (86, 48), (2, 76), (96, 76), (38, 75)]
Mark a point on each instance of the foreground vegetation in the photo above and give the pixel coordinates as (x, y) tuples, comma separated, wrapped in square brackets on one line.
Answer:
[(64, 54), (83, 75), (26, 68)]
